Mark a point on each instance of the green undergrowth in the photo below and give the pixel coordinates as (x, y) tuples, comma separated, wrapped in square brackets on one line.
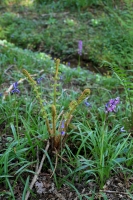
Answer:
[(53, 28), (99, 144), (16, 58)]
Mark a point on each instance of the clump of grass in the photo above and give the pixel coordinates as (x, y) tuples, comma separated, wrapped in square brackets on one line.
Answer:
[(96, 135)]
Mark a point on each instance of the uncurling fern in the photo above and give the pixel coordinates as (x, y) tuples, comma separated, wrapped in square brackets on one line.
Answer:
[(57, 133)]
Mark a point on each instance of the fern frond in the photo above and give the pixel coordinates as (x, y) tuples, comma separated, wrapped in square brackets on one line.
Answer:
[(73, 105), (38, 96), (55, 80), (54, 119)]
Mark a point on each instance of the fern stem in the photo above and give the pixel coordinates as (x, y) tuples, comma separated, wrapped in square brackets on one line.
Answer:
[(73, 105), (55, 79), (38, 96)]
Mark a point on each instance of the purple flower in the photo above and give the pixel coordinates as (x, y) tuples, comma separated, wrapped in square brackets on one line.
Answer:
[(80, 47), (68, 64), (62, 132), (122, 129), (111, 105), (62, 76), (87, 103), (1, 94), (39, 80), (114, 101), (15, 88), (15, 85), (62, 127), (63, 124), (117, 100)]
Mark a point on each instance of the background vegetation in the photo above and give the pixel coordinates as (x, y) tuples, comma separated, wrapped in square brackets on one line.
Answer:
[(96, 145)]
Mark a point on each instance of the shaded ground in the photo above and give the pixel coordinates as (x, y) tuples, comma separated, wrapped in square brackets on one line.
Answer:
[(115, 189)]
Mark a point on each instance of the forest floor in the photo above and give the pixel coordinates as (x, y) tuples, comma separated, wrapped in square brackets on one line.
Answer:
[(57, 34)]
